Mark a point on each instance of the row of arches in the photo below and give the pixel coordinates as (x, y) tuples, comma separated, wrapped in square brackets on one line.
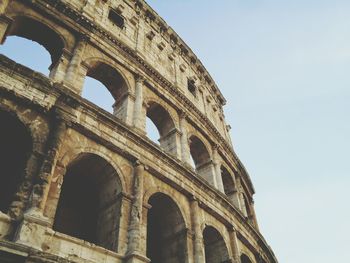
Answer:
[(108, 88), (90, 204)]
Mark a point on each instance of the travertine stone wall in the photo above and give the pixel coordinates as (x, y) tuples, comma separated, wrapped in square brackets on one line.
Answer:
[(94, 187)]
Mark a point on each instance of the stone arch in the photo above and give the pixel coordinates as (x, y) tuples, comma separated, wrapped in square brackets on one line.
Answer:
[(245, 259), (89, 207), (166, 230), (113, 80), (202, 159), (159, 189), (31, 28), (247, 209), (230, 187), (215, 247), (165, 124), (74, 153), (15, 151)]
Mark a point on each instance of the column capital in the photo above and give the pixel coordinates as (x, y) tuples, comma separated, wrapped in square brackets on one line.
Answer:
[(139, 78), (182, 113)]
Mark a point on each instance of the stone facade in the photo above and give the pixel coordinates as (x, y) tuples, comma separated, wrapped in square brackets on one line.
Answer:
[(78, 184)]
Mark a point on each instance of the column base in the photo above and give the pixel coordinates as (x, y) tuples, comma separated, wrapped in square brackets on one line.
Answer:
[(136, 258)]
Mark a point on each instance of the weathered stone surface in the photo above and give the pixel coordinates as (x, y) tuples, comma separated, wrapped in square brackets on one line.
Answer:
[(93, 187)]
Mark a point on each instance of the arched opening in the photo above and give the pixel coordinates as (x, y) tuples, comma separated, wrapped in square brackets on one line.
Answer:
[(89, 205), (15, 149), (248, 210), (165, 127), (166, 231), (214, 246), (245, 259), (201, 159), (152, 131), (24, 42), (105, 87), (229, 186)]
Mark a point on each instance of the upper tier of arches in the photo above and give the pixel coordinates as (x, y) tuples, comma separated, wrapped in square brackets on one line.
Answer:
[(75, 56)]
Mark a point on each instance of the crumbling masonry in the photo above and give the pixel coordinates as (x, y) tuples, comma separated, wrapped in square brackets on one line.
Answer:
[(79, 184)]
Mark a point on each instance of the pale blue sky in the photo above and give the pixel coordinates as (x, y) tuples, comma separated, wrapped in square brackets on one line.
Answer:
[(284, 67)]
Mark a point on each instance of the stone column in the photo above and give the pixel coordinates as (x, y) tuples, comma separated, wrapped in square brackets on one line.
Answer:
[(58, 70), (5, 23), (185, 149), (74, 64), (134, 253), (253, 215), (3, 6), (198, 248), (41, 189), (138, 120), (217, 166), (234, 246)]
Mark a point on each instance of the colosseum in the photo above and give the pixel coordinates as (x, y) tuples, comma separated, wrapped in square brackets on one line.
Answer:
[(80, 184)]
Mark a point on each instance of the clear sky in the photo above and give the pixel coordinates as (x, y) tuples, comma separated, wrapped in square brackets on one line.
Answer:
[(284, 68)]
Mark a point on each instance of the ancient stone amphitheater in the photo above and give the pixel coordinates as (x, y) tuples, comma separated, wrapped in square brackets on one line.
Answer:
[(79, 184)]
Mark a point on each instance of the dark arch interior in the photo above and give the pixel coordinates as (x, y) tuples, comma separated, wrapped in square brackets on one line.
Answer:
[(198, 151), (36, 31), (166, 231), (215, 247), (245, 259), (247, 206), (105, 76), (227, 180), (15, 149), (89, 204)]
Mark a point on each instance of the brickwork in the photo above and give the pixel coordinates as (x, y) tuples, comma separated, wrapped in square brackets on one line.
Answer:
[(90, 186)]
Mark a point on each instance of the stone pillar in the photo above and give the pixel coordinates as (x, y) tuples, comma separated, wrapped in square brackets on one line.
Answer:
[(198, 248), (234, 246), (74, 63), (41, 189), (140, 37), (217, 166), (171, 143), (58, 70), (138, 120), (241, 197), (3, 6), (22, 196), (5, 23), (207, 171), (253, 215), (185, 149), (134, 252)]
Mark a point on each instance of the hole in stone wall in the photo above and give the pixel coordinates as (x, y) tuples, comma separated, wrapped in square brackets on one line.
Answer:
[(89, 204), (116, 18), (15, 149), (192, 87)]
